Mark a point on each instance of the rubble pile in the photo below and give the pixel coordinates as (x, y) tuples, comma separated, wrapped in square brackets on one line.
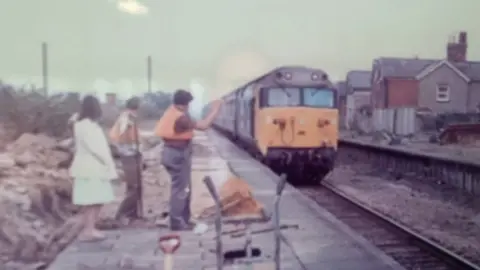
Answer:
[(35, 189), (35, 201)]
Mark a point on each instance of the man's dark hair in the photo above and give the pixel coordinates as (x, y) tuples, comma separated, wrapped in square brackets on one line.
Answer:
[(133, 103), (182, 97), (90, 108)]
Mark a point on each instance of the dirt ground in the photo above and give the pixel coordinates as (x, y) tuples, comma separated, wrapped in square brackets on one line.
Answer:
[(439, 213), (156, 183)]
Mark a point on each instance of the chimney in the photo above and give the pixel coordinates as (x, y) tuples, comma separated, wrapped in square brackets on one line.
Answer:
[(457, 49), (462, 38), (111, 99)]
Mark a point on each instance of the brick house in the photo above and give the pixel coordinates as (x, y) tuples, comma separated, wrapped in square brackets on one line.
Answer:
[(358, 87), (445, 85)]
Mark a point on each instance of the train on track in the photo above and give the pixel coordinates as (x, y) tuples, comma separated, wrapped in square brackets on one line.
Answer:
[(287, 119)]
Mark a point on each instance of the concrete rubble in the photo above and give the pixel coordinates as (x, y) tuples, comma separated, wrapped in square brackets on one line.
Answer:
[(36, 213), (34, 201)]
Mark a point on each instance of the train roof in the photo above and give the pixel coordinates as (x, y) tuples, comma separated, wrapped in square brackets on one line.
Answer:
[(277, 69), (280, 69)]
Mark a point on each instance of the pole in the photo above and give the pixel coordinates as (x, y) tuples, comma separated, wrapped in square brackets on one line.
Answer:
[(149, 73), (139, 161), (45, 67)]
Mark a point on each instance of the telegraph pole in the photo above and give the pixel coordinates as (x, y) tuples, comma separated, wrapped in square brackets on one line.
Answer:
[(149, 73), (45, 67)]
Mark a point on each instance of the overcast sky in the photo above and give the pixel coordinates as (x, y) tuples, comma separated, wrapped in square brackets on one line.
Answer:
[(220, 43)]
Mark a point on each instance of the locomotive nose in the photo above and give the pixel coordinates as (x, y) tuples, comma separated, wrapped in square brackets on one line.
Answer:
[(322, 123), (279, 121)]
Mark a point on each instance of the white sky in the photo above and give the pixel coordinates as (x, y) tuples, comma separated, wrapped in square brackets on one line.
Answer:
[(93, 40)]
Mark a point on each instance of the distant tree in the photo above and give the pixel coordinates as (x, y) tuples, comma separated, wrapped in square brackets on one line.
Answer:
[(154, 104)]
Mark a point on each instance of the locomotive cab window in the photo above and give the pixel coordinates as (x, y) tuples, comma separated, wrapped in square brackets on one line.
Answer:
[(294, 97), (281, 97), (319, 97)]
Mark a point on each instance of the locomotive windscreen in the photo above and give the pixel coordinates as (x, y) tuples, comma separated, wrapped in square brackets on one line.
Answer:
[(291, 97), (281, 97), (319, 98)]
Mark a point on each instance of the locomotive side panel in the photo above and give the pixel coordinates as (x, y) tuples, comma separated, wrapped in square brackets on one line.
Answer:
[(228, 115), (245, 115)]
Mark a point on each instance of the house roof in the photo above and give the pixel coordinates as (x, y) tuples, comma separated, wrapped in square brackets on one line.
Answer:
[(402, 67), (471, 69), (359, 78), (410, 67), (437, 65)]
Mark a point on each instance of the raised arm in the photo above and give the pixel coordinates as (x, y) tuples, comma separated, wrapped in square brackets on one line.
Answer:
[(205, 123)]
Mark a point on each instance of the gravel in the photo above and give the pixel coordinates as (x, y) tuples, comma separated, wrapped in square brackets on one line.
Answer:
[(449, 218)]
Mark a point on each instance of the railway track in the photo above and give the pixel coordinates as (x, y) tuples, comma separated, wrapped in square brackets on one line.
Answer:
[(408, 248)]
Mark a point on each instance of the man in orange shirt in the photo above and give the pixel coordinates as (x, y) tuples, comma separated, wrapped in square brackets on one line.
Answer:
[(176, 129)]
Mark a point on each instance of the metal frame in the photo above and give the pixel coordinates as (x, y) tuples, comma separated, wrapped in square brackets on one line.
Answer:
[(247, 221)]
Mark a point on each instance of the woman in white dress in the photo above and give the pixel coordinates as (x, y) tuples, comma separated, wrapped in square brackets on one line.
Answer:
[(92, 167)]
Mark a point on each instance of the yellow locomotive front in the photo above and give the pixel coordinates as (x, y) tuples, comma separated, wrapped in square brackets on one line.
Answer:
[(297, 124)]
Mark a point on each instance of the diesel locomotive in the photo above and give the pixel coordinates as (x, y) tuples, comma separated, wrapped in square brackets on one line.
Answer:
[(286, 118)]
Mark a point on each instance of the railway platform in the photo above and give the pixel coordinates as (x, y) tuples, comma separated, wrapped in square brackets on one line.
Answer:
[(313, 238)]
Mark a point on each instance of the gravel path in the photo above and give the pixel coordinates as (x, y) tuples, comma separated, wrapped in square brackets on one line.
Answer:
[(442, 215)]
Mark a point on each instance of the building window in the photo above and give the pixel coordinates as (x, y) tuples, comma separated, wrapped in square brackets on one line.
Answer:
[(443, 93)]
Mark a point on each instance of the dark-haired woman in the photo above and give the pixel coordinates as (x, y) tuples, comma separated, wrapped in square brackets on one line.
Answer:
[(92, 168)]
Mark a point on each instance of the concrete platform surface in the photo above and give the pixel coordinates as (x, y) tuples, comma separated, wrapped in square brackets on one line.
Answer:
[(322, 241), (319, 242)]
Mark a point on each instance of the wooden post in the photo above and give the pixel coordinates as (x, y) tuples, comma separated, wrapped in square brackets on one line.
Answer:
[(45, 67), (149, 73)]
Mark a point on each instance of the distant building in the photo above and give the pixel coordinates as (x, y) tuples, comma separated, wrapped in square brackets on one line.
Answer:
[(358, 91), (443, 85)]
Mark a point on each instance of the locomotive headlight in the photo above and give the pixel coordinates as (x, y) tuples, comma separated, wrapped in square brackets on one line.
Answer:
[(268, 120), (287, 75), (315, 77), (321, 123), (279, 121)]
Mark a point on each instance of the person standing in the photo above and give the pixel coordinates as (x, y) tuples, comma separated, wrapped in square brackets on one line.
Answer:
[(92, 167), (176, 127), (124, 134)]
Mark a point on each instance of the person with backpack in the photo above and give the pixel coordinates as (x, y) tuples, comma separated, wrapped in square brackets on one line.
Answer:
[(124, 135)]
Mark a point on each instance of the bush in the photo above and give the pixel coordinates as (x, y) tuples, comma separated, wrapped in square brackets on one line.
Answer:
[(154, 104), (30, 112)]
